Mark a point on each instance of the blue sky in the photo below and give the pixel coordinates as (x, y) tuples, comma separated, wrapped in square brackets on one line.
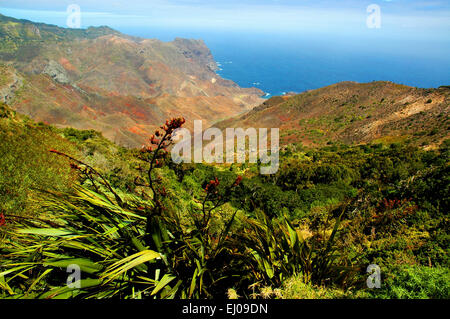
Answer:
[(326, 39), (399, 17)]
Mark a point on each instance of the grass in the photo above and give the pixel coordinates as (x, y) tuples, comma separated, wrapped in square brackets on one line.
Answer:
[(26, 166)]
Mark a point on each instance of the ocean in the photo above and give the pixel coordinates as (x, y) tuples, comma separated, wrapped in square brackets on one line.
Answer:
[(307, 59), (282, 63)]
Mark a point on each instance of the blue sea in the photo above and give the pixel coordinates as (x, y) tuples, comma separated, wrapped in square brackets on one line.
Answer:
[(281, 63), (304, 60)]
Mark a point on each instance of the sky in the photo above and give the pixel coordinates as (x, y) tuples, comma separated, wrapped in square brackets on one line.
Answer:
[(426, 18), (410, 46)]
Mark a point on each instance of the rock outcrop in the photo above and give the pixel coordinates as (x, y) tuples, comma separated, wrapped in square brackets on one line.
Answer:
[(56, 72), (9, 84)]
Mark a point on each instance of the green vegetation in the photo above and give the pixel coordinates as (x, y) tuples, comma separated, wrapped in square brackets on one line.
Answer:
[(416, 282), (140, 226), (26, 167), (28, 36)]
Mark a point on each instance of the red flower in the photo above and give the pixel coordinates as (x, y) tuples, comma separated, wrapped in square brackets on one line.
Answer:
[(154, 140), (2, 219), (158, 163), (238, 181), (146, 149), (173, 124), (212, 185)]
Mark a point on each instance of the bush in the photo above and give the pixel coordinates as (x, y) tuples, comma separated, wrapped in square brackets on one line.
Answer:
[(415, 282)]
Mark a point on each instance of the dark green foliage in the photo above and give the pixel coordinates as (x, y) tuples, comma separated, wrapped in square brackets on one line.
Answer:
[(79, 136), (325, 216)]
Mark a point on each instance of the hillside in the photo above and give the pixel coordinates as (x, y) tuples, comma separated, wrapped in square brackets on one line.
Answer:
[(73, 197), (351, 112), (101, 79)]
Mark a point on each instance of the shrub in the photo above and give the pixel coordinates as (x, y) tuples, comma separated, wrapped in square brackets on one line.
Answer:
[(415, 282)]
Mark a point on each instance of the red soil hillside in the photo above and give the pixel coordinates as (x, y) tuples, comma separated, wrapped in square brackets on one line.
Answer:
[(351, 112), (122, 86)]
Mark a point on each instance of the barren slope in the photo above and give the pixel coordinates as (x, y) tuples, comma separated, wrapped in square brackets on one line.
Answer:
[(355, 113), (123, 86)]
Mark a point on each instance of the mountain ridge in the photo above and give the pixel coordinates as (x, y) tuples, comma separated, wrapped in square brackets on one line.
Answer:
[(124, 86), (352, 112), (99, 78)]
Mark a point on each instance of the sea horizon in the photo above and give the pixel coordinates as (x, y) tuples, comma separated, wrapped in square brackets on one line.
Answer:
[(300, 60), (283, 63)]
